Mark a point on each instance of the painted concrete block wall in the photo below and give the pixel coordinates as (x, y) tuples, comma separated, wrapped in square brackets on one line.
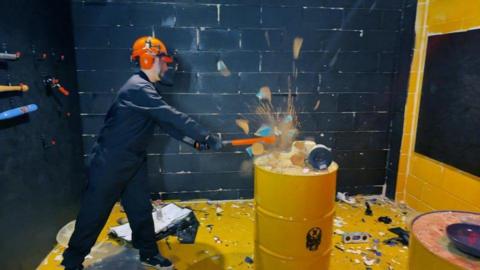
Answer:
[(40, 182), (349, 61), (424, 183)]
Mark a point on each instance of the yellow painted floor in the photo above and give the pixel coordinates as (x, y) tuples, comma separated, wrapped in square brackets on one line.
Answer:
[(224, 241)]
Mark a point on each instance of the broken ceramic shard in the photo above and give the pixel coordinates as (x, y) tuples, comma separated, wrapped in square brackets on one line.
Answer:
[(297, 46), (258, 149), (299, 145), (292, 133), (370, 261), (243, 124), (264, 131), (288, 119), (345, 198), (277, 131), (217, 240), (249, 151), (122, 220), (218, 210), (267, 38), (265, 94), (298, 159), (223, 69), (64, 234)]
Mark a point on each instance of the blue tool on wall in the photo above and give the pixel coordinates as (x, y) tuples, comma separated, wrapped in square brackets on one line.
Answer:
[(18, 111)]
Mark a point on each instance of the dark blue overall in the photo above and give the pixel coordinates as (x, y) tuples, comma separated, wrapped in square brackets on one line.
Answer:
[(117, 166)]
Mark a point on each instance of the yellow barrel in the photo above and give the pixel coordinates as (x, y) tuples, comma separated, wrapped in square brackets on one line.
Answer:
[(294, 216), (430, 247)]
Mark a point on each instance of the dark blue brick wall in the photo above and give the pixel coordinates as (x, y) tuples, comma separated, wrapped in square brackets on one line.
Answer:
[(349, 61), (40, 187)]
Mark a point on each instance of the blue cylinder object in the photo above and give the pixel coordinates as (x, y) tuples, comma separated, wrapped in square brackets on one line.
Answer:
[(320, 157)]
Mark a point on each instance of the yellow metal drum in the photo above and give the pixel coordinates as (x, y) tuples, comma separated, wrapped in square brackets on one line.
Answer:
[(430, 247), (294, 215)]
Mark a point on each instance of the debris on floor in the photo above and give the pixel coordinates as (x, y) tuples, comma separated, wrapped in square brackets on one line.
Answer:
[(218, 210), (368, 210), (385, 219), (376, 253), (122, 220), (355, 237), (342, 196), (338, 222), (226, 241)]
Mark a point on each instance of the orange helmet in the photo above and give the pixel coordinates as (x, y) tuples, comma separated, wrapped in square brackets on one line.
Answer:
[(145, 49)]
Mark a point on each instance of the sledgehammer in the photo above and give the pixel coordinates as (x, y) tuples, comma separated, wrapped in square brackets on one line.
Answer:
[(319, 157)]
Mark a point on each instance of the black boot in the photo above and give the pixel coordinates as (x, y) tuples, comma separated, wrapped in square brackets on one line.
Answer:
[(157, 262)]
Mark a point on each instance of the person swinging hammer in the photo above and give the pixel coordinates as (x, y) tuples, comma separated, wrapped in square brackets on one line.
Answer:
[(117, 162)]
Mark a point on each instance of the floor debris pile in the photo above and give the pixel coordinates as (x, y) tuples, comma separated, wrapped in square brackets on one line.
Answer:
[(378, 218), (225, 238)]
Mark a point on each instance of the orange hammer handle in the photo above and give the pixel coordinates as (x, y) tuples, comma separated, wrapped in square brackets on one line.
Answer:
[(249, 141), (63, 90)]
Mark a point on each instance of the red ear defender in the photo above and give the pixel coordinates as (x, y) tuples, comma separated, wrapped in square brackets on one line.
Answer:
[(146, 61)]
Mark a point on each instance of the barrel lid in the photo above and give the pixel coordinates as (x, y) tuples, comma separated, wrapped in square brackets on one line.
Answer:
[(294, 171), (430, 230)]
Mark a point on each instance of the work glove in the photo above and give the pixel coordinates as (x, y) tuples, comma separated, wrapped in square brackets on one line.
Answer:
[(212, 141)]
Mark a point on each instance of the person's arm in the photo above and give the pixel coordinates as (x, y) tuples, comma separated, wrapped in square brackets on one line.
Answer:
[(147, 100), (178, 124), (174, 133)]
